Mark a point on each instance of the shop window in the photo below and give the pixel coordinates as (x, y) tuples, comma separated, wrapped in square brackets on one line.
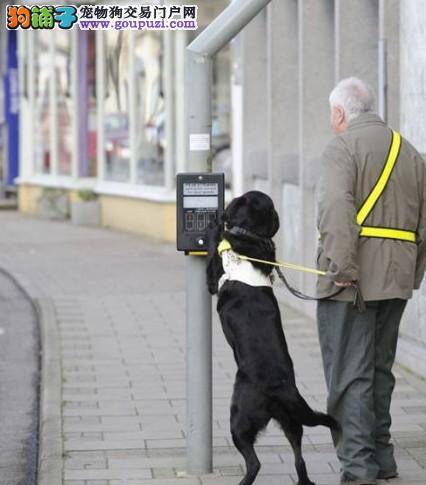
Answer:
[(116, 107), (91, 105), (221, 112), (87, 104), (65, 103), (42, 114), (150, 108)]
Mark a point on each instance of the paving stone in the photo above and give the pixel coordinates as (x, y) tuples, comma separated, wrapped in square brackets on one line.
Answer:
[(107, 474), (166, 443), (102, 428), (142, 435), (78, 444), (231, 471), (163, 481), (161, 473), (148, 462), (82, 462)]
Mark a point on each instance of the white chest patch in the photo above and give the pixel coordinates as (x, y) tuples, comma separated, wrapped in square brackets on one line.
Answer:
[(237, 269)]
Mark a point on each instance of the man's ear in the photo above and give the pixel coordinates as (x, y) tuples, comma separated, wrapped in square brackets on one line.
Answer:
[(341, 114)]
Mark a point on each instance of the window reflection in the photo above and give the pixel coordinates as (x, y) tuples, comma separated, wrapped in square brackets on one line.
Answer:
[(64, 100), (221, 100), (91, 105), (116, 120), (42, 115), (150, 111)]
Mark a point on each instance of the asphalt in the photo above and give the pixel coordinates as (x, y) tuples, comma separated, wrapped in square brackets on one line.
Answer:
[(19, 385)]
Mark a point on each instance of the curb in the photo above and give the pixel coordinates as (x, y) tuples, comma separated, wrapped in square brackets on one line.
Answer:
[(50, 452), (50, 447)]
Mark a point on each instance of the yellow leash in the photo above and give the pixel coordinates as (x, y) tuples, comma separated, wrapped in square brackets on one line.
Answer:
[(283, 264), (225, 245)]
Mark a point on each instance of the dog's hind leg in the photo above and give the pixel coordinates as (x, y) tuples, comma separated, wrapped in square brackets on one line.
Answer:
[(294, 433), (244, 429), (244, 442)]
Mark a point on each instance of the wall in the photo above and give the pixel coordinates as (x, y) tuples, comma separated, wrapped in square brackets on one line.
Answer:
[(412, 343), (310, 45), (153, 219), (144, 217), (290, 61)]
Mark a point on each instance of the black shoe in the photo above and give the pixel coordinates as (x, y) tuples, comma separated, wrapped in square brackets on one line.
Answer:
[(357, 482), (345, 480), (387, 474)]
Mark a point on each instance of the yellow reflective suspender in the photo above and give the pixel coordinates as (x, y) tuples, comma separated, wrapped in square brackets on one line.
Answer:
[(373, 197)]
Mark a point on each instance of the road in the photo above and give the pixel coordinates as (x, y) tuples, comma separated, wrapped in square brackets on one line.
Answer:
[(19, 385)]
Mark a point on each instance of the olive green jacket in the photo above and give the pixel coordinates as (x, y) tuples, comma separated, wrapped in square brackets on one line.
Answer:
[(350, 167)]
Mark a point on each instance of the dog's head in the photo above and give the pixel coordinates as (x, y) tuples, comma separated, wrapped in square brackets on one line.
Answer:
[(255, 212), (254, 217)]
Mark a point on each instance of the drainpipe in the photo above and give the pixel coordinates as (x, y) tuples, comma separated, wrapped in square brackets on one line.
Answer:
[(382, 74), (198, 84)]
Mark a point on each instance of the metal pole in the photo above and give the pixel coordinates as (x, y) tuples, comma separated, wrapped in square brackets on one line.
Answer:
[(198, 302), (226, 26), (199, 434)]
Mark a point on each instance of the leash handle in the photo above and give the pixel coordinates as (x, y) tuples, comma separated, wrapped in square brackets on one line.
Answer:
[(358, 298)]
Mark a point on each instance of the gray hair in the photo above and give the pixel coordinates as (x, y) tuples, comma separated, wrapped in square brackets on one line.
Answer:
[(354, 96)]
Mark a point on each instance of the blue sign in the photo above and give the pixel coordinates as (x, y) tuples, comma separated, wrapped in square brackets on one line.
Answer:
[(11, 91)]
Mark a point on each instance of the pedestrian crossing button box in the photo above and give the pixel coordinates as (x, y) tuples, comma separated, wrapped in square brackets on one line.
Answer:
[(200, 200)]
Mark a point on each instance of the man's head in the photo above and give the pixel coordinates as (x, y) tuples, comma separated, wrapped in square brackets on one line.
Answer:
[(348, 100)]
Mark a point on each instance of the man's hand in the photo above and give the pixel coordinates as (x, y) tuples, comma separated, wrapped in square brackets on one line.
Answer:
[(343, 284)]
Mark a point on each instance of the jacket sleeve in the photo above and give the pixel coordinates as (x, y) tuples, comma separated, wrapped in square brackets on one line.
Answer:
[(421, 229), (339, 231)]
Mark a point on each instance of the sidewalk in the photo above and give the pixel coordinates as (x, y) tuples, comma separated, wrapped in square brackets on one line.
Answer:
[(118, 307)]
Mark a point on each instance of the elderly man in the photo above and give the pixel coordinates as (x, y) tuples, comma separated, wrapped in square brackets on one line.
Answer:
[(372, 224)]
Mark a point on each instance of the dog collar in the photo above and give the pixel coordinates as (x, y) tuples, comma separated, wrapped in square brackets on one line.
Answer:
[(241, 231)]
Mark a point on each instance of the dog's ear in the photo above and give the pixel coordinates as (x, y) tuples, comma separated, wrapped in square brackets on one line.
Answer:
[(262, 213), (233, 214), (274, 223)]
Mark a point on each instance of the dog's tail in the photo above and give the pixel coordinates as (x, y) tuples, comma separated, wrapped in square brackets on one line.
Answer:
[(300, 411)]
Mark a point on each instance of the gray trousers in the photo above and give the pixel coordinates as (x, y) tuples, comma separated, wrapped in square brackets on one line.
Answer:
[(358, 351)]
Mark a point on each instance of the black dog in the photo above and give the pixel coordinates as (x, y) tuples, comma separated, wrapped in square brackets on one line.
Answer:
[(265, 384)]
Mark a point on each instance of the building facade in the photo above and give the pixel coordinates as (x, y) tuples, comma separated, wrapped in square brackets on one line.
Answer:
[(285, 64), (105, 111)]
